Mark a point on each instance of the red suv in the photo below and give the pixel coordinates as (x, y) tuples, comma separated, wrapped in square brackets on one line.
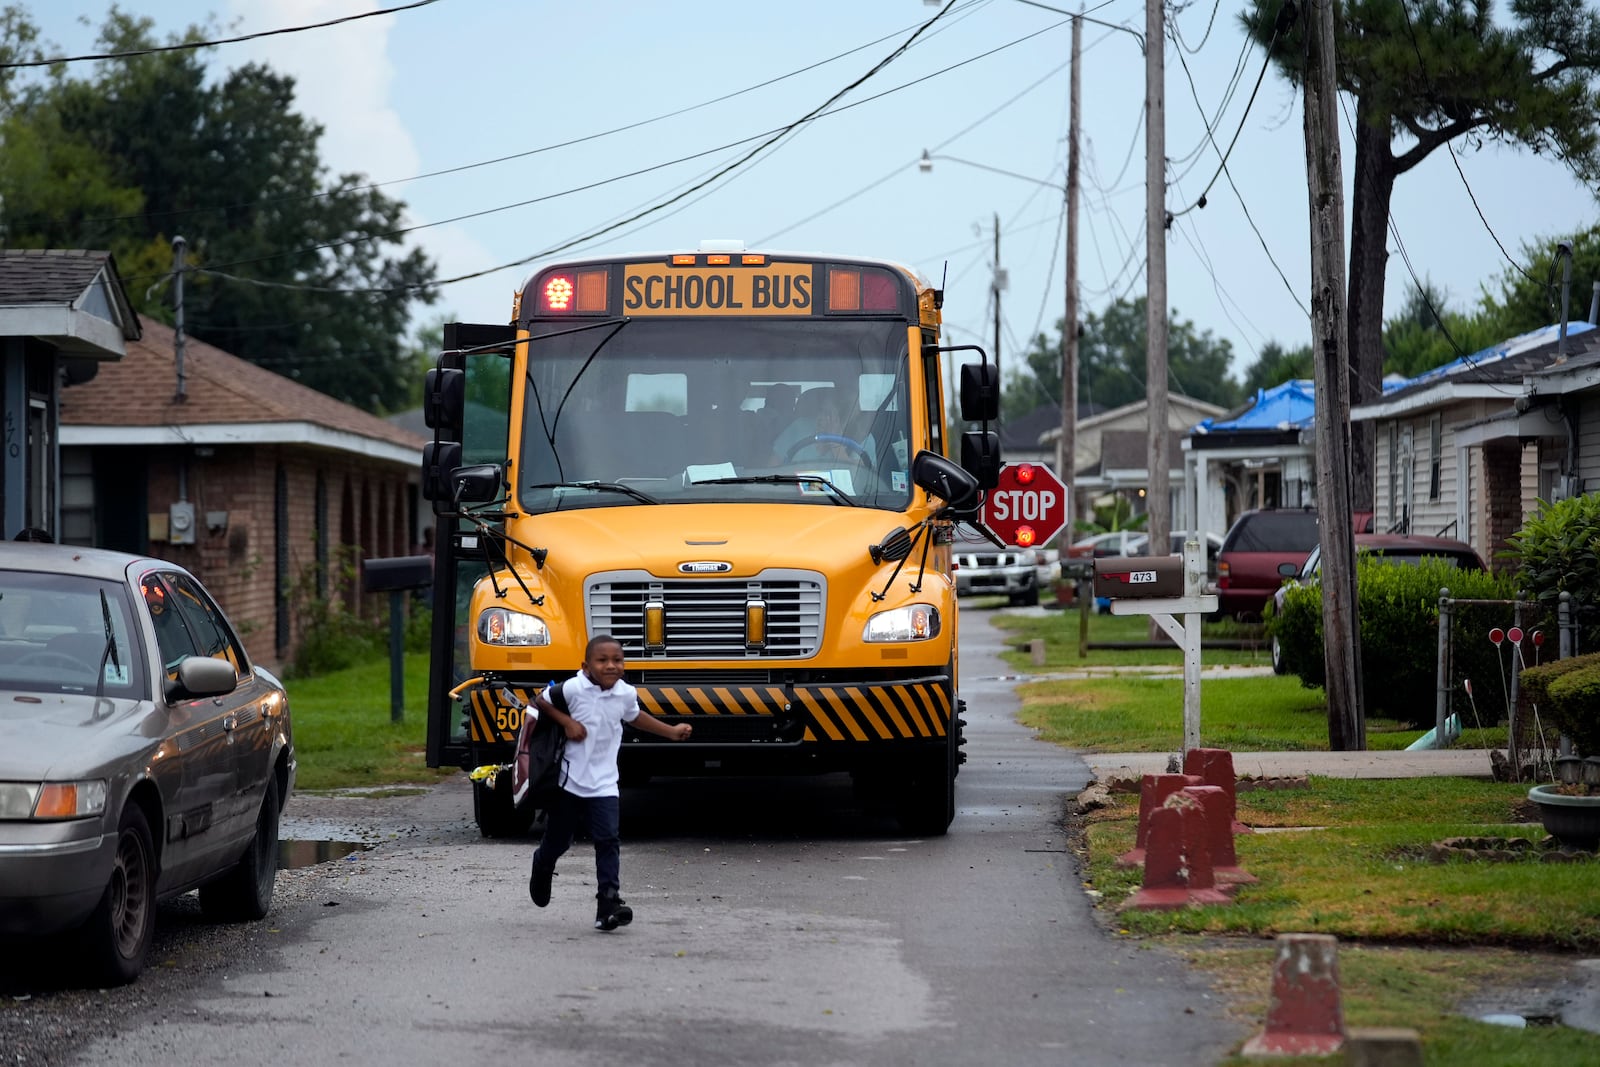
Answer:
[(1255, 547)]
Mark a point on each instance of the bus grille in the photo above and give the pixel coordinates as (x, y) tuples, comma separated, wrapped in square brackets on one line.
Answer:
[(705, 617)]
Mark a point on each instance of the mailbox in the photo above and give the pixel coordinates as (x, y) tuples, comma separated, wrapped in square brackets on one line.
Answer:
[(395, 573), (1138, 576)]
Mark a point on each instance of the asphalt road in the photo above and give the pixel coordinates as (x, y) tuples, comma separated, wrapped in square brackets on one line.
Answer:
[(787, 925)]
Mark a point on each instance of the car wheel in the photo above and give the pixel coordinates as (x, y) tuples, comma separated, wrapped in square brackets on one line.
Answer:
[(116, 937), (244, 894), (1278, 666)]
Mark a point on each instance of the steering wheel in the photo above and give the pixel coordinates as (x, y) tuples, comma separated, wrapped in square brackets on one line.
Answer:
[(46, 658), (860, 451)]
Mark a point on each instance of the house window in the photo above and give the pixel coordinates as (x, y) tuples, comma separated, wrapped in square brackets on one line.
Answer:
[(1435, 454), (77, 497)]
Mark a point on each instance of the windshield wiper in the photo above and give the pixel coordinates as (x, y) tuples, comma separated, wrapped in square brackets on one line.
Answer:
[(839, 495), (110, 650), (604, 487)]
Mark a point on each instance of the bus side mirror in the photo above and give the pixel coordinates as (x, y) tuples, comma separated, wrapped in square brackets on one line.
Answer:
[(439, 458), (980, 392), (980, 456), (950, 483), (477, 484), (444, 391)]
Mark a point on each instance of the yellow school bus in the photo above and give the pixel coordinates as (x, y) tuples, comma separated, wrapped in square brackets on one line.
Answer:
[(735, 463)]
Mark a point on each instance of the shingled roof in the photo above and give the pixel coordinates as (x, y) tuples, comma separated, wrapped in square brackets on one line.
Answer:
[(70, 298), (228, 400)]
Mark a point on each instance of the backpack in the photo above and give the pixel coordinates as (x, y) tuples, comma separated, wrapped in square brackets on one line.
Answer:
[(539, 768)]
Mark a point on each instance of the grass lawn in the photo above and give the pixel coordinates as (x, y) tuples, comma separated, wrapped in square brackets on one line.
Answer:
[(344, 733), (1419, 936)]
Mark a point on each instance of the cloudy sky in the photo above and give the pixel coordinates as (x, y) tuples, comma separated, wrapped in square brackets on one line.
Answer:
[(614, 107)]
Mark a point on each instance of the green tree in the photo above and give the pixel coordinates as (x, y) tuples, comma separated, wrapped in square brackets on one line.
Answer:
[(1426, 334), (291, 270), (1275, 365), (1528, 301), (1112, 359), (1422, 74)]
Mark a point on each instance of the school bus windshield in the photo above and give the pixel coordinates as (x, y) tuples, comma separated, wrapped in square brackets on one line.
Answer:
[(706, 411)]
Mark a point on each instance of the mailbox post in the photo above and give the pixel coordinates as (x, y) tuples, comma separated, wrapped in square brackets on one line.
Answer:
[(395, 576), (1164, 587)]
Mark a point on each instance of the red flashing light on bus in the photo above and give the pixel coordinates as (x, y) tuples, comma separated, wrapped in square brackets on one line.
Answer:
[(1025, 537), (558, 293), (583, 291), (1024, 474)]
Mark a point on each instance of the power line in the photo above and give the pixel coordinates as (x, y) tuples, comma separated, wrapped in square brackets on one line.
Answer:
[(1194, 92), (296, 197), (1422, 68), (775, 138), (1285, 14), (191, 45)]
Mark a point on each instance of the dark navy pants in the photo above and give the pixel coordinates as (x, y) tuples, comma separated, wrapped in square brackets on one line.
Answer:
[(601, 817)]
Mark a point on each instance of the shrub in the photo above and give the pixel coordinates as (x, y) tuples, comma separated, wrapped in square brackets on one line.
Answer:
[(1558, 551), (1567, 693), (1398, 610)]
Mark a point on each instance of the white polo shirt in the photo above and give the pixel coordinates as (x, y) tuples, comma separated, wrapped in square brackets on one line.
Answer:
[(592, 762)]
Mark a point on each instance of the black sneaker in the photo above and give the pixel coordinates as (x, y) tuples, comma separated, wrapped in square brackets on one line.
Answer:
[(611, 911), (539, 882)]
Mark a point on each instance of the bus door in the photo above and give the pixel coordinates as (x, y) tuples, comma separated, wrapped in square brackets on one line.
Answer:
[(467, 403)]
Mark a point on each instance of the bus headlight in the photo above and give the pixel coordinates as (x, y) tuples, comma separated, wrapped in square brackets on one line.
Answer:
[(914, 622), (499, 626)]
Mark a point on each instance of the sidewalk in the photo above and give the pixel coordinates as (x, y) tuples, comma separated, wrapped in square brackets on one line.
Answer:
[(1450, 762)]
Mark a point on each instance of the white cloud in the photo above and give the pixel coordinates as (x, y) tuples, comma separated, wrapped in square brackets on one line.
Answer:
[(342, 78)]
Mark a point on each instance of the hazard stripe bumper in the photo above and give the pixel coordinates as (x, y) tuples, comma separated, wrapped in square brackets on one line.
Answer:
[(818, 714)]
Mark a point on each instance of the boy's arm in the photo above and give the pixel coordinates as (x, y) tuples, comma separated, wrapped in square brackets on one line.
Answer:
[(652, 725), (571, 727)]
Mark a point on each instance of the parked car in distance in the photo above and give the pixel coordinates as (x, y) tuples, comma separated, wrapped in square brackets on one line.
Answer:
[(1078, 560), (142, 755), (1398, 549), (984, 569), (1255, 546), (1177, 539)]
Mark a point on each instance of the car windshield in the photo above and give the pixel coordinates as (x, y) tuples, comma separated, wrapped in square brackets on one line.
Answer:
[(658, 412), (1288, 531), (65, 634)]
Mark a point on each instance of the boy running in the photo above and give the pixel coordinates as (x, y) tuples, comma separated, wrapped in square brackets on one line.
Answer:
[(590, 707)]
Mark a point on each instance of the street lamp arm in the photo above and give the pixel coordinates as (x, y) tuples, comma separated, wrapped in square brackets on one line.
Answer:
[(1135, 34), (925, 164)]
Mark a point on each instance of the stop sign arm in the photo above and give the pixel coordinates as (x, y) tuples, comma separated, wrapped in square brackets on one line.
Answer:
[(994, 538)]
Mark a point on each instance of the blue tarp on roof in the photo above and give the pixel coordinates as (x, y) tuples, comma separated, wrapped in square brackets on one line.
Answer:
[(1289, 406), (1544, 335)]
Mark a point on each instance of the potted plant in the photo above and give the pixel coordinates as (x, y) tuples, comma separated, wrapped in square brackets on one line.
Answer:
[(1567, 693)]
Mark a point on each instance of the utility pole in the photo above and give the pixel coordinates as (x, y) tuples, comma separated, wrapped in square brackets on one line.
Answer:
[(178, 247), (999, 284), (1067, 450), (1157, 505), (1347, 728)]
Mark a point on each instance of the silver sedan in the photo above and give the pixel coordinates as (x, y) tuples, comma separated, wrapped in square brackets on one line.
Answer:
[(142, 754)]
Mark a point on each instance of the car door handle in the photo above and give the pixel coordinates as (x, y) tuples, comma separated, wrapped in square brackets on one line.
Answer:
[(229, 722)]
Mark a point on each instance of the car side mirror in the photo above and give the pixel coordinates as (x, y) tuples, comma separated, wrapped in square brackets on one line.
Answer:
[(202, 676)]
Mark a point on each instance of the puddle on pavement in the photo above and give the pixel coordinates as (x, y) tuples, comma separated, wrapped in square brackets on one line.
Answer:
[(292, 854)]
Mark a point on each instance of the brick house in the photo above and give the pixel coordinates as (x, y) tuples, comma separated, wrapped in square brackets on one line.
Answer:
[(261, 486)]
